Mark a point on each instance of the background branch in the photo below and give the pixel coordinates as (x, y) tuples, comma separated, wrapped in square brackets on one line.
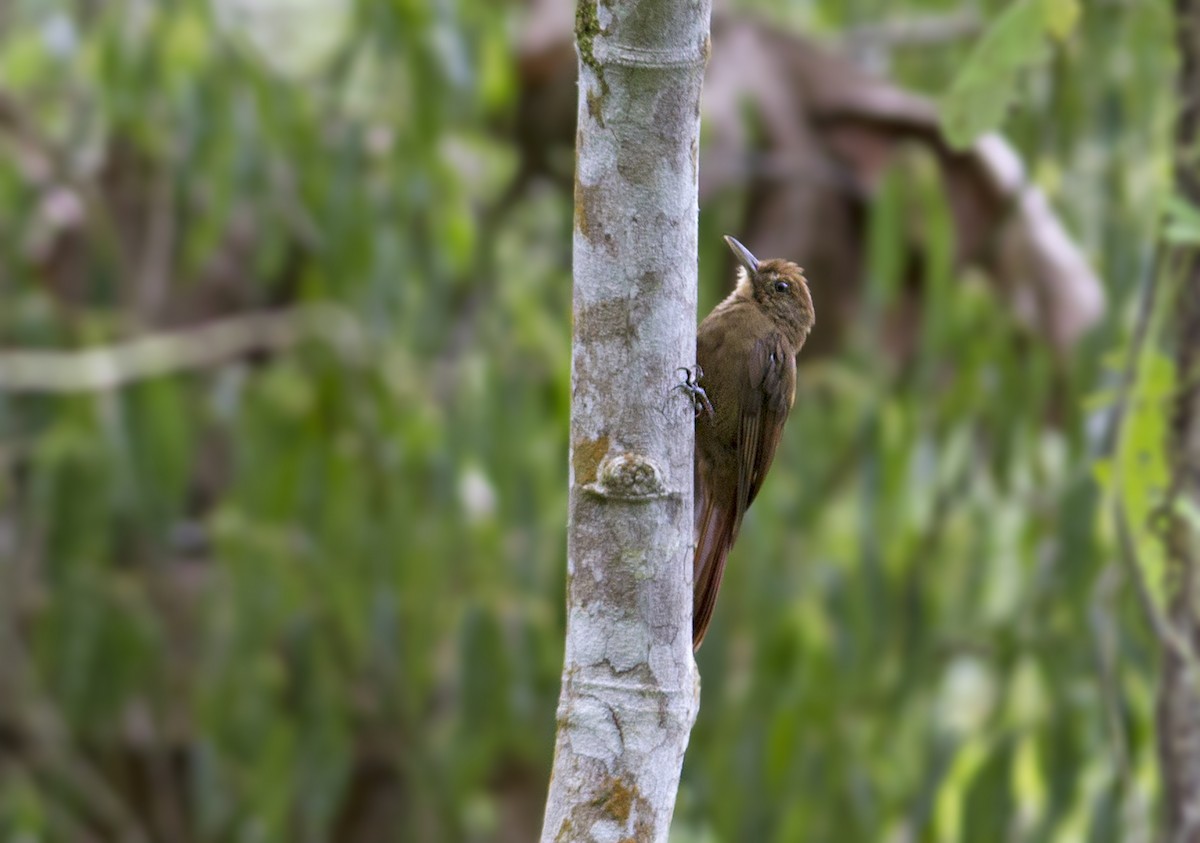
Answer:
[(213, 344)]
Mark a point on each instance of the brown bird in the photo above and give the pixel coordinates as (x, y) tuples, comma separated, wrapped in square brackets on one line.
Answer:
[(746, 355)]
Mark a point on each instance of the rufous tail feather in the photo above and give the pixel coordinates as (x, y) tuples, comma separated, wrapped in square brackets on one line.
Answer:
[(716, 528)]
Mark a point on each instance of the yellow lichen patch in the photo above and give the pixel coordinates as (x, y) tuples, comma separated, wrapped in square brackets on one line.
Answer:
[(565, 831), (587, 203), (586, 457), (619, 803), (594, 103)]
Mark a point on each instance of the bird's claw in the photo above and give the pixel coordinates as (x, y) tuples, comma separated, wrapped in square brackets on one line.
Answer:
[(691, 385)]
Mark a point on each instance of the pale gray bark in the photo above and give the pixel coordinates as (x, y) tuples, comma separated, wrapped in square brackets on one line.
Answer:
[(630, 688)]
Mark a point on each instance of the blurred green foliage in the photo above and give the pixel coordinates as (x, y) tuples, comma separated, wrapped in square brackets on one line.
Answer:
[(319, 595), (983, 88)]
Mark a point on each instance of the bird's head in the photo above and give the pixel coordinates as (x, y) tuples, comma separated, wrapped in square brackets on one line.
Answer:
[(778, 286)]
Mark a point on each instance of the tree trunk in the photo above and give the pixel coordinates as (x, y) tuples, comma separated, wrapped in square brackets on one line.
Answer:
[(1179, 689), (630, 689)]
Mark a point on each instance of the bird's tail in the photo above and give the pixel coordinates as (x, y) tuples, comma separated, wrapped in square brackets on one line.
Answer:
[(717, 525)]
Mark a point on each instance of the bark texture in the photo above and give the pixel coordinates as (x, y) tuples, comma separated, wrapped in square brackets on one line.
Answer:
[(630, 689), (1179, 691)]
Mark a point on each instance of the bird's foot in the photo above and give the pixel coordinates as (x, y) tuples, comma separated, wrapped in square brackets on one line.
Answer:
[(691, 385)]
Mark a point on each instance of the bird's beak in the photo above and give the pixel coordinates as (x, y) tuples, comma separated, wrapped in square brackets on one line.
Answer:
[(744, 256)]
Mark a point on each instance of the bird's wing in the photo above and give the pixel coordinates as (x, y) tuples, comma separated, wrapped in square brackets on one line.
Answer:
[(770, 392), (767, 396)]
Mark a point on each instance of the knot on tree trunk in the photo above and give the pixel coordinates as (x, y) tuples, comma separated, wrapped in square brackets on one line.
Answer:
[(629, 477)]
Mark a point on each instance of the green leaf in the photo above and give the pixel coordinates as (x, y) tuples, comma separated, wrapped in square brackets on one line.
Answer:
[(984, 88), (1140, 474), (1183, 222), (948, 816), (185, 44), (1060, 17)]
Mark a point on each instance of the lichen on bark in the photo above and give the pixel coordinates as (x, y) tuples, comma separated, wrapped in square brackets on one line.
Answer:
[(587, 30)]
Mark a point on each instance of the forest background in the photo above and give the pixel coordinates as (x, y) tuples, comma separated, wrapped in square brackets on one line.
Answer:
[(286, 561)]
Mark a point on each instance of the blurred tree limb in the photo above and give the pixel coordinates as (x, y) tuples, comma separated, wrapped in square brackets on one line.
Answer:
[(873, 44), (916, 31), (212, 344), (630, 689)]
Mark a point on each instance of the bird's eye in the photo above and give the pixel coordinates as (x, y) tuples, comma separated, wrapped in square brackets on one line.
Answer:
[(782, 286)]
